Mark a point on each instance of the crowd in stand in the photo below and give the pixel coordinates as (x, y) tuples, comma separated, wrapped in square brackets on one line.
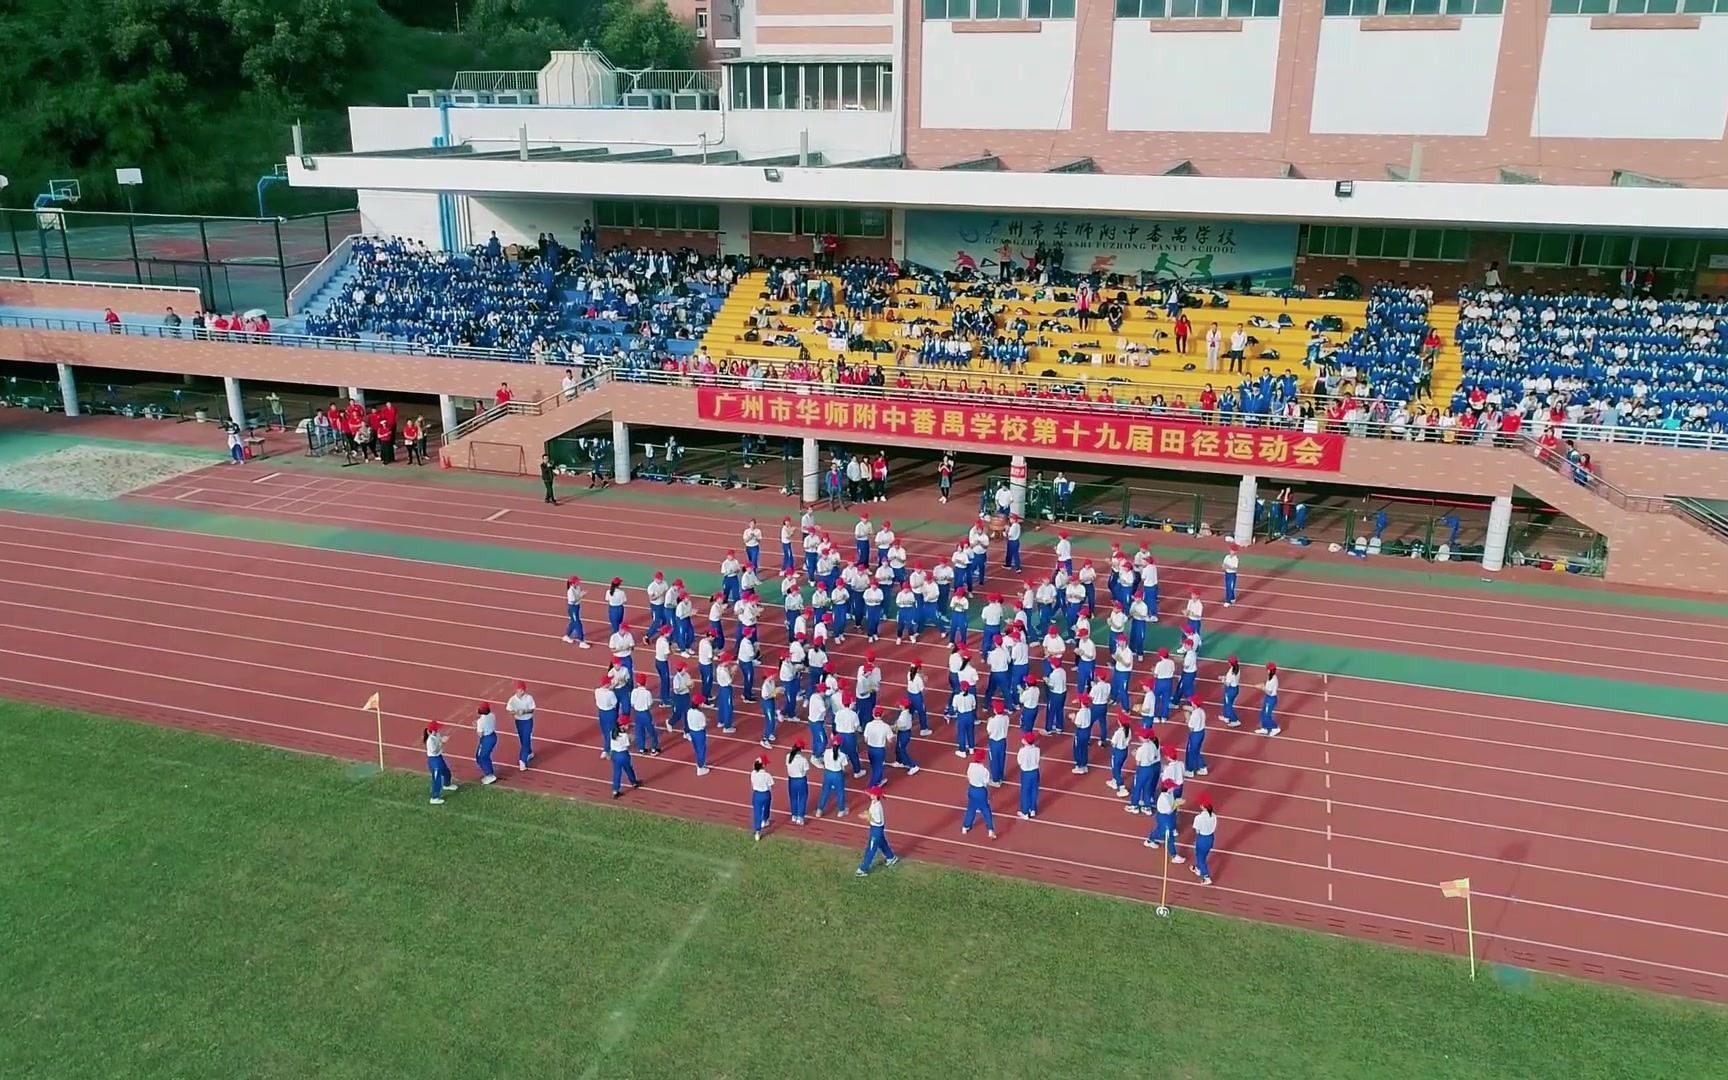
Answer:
[(1627, 361), (545, 302)]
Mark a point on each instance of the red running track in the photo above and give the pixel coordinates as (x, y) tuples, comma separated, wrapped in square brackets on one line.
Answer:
[(1344, 824)]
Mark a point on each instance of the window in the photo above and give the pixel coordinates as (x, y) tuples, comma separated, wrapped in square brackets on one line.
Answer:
[(663, 217), (856, 221), (1637, 7), (937, 10), (1375, 242), (1604, 251), (1196, 9), (1540, 249), (822, 87), (1362, 9)]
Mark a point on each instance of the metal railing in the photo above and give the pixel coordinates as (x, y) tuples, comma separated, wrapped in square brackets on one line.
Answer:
[(328, 267), (494, 81), (1701, 514), (296, 341), (193, 296), (1594, 482), (524, 408)]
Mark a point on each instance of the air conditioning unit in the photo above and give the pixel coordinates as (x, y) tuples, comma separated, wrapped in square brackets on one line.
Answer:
[(443, 97), (689, 100), (463, 97), (701, 33), (422, 100), (647, 99), (508, 99)]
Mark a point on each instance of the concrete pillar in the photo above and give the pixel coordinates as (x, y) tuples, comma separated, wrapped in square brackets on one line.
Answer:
[(1499, 528), (236, 402), (812, 472), (1017, 485), (447, 413), (356, 394), (620, 452), (1246, 494), (68, 389)]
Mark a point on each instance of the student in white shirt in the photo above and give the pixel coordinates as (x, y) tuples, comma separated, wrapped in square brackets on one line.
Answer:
[(486, 728), (1231, 561), (1269, 702), (798, 781), (573, 632), (761, 797), (1029, 759), (442, 781), (521, 707), (834, 770), (1193, 760), (696, 726), (619, 752), (996, 744), (978, 795), (877, 818), (1082, 738), (877, 734), (1205, 830)]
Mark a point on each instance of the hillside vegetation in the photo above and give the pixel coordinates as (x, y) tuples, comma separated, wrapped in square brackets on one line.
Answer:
[(201, 94)]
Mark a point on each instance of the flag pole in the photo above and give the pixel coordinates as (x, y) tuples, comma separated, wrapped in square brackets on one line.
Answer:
[(1470, 935), (1163, 909), (378, 714)]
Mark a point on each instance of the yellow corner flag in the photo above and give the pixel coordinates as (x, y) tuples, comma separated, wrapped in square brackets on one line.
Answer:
[(1460, 890), (378, 712)]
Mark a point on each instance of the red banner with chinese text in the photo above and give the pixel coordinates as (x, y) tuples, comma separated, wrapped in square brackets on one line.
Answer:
[(1010, 427)]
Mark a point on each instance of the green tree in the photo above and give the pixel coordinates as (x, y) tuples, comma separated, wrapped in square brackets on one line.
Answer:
[(644, 33)]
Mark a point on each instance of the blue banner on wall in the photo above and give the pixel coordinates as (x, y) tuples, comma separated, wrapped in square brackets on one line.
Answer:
[(1195, 251)]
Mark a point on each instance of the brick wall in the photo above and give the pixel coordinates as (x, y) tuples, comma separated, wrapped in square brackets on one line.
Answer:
[(15, 292)]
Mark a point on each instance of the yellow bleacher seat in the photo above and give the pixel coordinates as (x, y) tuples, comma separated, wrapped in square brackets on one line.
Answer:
[(1144, 326)]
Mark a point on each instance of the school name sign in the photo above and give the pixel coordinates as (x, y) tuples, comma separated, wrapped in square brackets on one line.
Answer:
[(1012, 428)]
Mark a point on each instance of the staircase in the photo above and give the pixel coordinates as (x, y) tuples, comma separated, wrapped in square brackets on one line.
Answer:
[(511, 439), (724, 335), (1449, 365), (1649, 544)]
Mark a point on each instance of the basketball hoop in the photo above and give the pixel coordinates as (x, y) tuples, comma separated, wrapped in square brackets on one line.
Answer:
[(51, 220)]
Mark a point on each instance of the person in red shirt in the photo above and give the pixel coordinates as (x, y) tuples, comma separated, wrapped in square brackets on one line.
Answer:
[(411, 440), (503, 396), (112, 318), (1208, 401), (1510, 422), (1548, 447), (384, 432), (1183, 329)]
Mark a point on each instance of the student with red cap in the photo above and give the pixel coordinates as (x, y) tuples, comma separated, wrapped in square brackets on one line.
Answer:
[(1173, 772), (486, 728), (663, 663), (615, 604), (606, 708), (1192, 611), (730, 571), (1145, 773), (574, 633), (1269, 702), (683, 686), (877, 818), (761, 796), (1011, 544), (1232, 681), (1193, 761), (834, 770), (1205, 828), (1163, 685), (442, 781), (1065, 552), (978, 796), (1029, 759), (798, 781), (878, 733), (642, 717), (1190, 652), (1164, 821), (696, 726), (521, 707), (622, 767), (1119, 743), (623, 646)]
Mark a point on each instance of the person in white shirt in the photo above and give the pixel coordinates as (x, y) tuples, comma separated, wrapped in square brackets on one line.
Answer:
[(1193, 760), (486, 728), (1082, 738), (623, 644), (1205, 830), (1164, 823), (834, 769), (978, 795), (996, 744), (1145, 773), (1269, 702), (521, 707), (606, 710), (877, 733), (573, 632), (798, 781), (761, 797), (1028, 758), (1190, 650), (657, 591), (615, 604), (1192, 612), (619, 752), (1231, 561), (696, 727), (1173, 770), (642, 717), (752, 537), (877, 819), (1163, 685), (433, 739)]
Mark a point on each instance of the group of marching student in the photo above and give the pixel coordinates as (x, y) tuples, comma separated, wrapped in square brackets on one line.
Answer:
[(1025, 646)]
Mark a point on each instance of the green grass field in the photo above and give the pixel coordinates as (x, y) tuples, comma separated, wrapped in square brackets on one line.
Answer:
[(176, 905)]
